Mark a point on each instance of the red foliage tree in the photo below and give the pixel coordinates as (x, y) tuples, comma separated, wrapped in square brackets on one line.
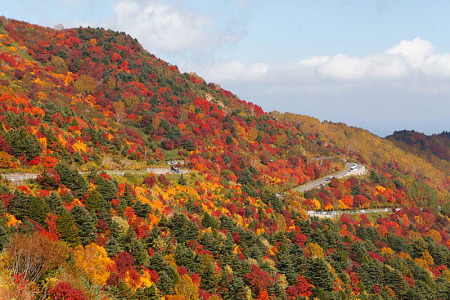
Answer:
[(150, 180), (258, 279), (65, 291), (302, 288)]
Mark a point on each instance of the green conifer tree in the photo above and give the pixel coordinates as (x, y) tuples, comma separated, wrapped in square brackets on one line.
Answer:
[(72, 179), (147, 293), (54, 203), (38, 209), (95, 202), (319, 274), (113, 245), (106, 188), (68, 229), (165, 284), (23, 143), (4, 237), (20, 205), (85, 223), (142, 209), (139, 253)]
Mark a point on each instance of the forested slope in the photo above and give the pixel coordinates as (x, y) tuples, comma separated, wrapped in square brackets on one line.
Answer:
[(77, 102), (434, 148)]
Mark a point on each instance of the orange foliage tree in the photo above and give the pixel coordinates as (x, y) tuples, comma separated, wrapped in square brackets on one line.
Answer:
[(94, 262)]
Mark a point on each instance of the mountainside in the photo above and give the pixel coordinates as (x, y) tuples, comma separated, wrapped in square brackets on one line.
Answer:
[(434, 148), (145, 183)]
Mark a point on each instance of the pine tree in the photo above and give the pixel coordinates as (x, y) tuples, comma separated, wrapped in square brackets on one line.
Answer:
[(183, 229), (95, 202), (106, 188), (113, 245), (209, 221), (72, 179), (3, 212), (142, 209), (210, 244), (394, 279), (255, 253), (286, 266), (237, 290), (442, 288), (226, 250), (184, 257), (165, 284), (23, 143), (371, 273), (157, 263), (85, 223), (122, 290), (208, 274), (68, 229), (128, 194), (4, 237), (139, 253), (38, 209), (319, 274), (20, 205), (147, 293), (182, 180), (54, 203)]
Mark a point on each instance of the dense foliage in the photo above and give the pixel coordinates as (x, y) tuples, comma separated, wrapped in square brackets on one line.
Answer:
[(90, 112), (435, 148)]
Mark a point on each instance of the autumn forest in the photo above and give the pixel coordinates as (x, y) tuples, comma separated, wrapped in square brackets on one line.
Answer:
[(123, 178)]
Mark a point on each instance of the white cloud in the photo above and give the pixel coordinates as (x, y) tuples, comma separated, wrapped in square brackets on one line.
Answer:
[(168, 28), (414, 52), (373, 67), (414, 60)]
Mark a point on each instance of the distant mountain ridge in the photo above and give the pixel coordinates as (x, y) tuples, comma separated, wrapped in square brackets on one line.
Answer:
[(434, 148)]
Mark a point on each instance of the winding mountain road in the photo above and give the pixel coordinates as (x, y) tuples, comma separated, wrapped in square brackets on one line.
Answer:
[(331, 214), (17, 178), (350, 169)]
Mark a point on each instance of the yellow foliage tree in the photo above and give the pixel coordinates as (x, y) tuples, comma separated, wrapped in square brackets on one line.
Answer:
[(421, 262), (85, 84), (387, 250), (58, 62), (79, 146), (5, 159), (404, 255), (314, 250), (316, 203), (94, 262), (428, 258), (446, 275), (252, 134), (145, 279), (280, 221), (186, 288), (31, 256), (132, 101), (119, 108), (328, 206), (342, 205), (435, 235)]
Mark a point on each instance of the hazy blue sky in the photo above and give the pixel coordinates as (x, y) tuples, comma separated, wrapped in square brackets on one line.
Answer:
[(383, 65)]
